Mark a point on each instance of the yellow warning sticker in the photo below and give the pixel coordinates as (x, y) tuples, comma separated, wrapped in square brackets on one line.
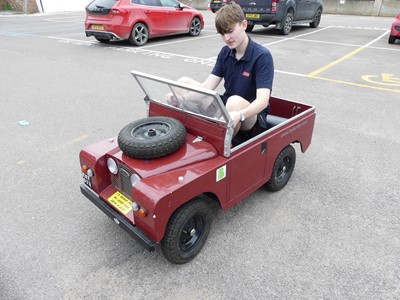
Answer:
[(120, 202)]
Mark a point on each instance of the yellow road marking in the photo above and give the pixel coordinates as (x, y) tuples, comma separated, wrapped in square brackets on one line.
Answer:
[(78, 139), (315, 73), (357, 84), (384, 79)]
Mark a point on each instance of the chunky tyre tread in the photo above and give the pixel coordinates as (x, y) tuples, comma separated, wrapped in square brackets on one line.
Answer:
[(170, 244), (280, 177), (154, 146)]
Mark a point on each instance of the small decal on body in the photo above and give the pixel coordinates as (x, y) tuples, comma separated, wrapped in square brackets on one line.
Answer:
[(221, 173)]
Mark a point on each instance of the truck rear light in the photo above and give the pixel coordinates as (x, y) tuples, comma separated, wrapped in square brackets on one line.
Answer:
[(274, 5)]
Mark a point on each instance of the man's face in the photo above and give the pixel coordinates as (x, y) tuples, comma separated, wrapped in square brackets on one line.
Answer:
[(235, 35)]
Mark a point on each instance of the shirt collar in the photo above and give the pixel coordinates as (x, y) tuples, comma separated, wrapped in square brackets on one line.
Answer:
[(247, 54)]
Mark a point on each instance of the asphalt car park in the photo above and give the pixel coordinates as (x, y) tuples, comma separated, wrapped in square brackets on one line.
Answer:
[(332, 233)]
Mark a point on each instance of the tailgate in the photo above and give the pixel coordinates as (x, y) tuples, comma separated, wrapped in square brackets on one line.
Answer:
[(255, 6)]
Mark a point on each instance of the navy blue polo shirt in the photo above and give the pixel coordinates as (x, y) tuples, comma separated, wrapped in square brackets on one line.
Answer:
[(243, 77)]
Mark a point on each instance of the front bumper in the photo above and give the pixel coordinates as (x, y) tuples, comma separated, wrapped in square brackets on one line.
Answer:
[(117, 218)]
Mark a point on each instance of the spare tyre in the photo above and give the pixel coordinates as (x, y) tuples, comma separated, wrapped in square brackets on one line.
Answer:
[(152, 137)]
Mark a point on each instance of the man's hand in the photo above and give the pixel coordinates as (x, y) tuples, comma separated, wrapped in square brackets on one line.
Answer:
[(235, 116)]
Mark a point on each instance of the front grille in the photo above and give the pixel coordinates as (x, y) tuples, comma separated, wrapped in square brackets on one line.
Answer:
[(122, 180)]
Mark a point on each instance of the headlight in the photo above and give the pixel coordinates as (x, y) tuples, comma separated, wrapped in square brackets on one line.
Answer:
[(134, 179), (112, 166)]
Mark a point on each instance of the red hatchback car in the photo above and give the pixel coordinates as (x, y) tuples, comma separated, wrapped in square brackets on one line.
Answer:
[(139, 20), (395, 31)]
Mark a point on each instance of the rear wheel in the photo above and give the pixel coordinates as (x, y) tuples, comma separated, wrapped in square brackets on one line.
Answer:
[(317, 19), (392, 39), (195, 27), (187, 231), (283, 169), (249, 28), (287, 24), (139, 35)]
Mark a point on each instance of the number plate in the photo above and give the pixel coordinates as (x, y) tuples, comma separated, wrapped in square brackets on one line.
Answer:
[(86, 179), (253, 16), (120, 202), (98, 27)]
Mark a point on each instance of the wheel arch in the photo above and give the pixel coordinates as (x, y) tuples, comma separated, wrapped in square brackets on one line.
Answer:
[(209, 197), (143, 22)]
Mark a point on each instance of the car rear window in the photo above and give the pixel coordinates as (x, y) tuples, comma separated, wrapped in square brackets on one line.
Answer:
[(101, 6)]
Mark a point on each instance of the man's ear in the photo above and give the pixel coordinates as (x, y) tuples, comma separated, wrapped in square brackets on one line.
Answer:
[(244, 24)]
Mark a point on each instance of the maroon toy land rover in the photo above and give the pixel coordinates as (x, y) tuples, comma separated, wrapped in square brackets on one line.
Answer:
[(162, 176)]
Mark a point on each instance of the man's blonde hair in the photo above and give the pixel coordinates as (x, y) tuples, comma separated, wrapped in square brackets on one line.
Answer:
[(227, 17)]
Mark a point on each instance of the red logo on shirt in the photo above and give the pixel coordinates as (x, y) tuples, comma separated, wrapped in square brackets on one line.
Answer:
[(246, 74)]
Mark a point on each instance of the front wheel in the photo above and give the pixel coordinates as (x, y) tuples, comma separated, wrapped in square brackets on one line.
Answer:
[(283, 169), (139, 35), (187, 231), (392, 39), (195, 27), (287, 24)]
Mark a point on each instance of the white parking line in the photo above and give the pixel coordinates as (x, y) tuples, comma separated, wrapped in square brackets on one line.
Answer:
[(296, 37), (177, 42)]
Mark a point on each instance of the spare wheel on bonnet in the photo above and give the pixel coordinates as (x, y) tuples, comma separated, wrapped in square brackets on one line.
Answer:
[(152, 137)]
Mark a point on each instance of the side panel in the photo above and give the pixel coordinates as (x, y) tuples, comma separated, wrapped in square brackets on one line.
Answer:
[(246, 171)]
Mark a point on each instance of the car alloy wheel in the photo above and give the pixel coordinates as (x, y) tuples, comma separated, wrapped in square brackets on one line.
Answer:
[(139, 35), (195, 27)]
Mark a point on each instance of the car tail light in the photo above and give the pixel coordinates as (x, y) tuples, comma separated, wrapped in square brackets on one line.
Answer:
[(118, 11), (274, 5)]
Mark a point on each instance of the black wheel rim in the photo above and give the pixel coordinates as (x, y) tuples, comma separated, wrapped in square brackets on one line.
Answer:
[(283, 170), (150, 131), (317, 18), (140, 35), (191, 233), (195, 27)]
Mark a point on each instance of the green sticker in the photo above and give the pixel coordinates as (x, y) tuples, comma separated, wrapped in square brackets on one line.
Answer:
[(221, 173)]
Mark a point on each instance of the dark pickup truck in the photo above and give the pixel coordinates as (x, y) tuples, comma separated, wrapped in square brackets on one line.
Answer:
[(282, 13)]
